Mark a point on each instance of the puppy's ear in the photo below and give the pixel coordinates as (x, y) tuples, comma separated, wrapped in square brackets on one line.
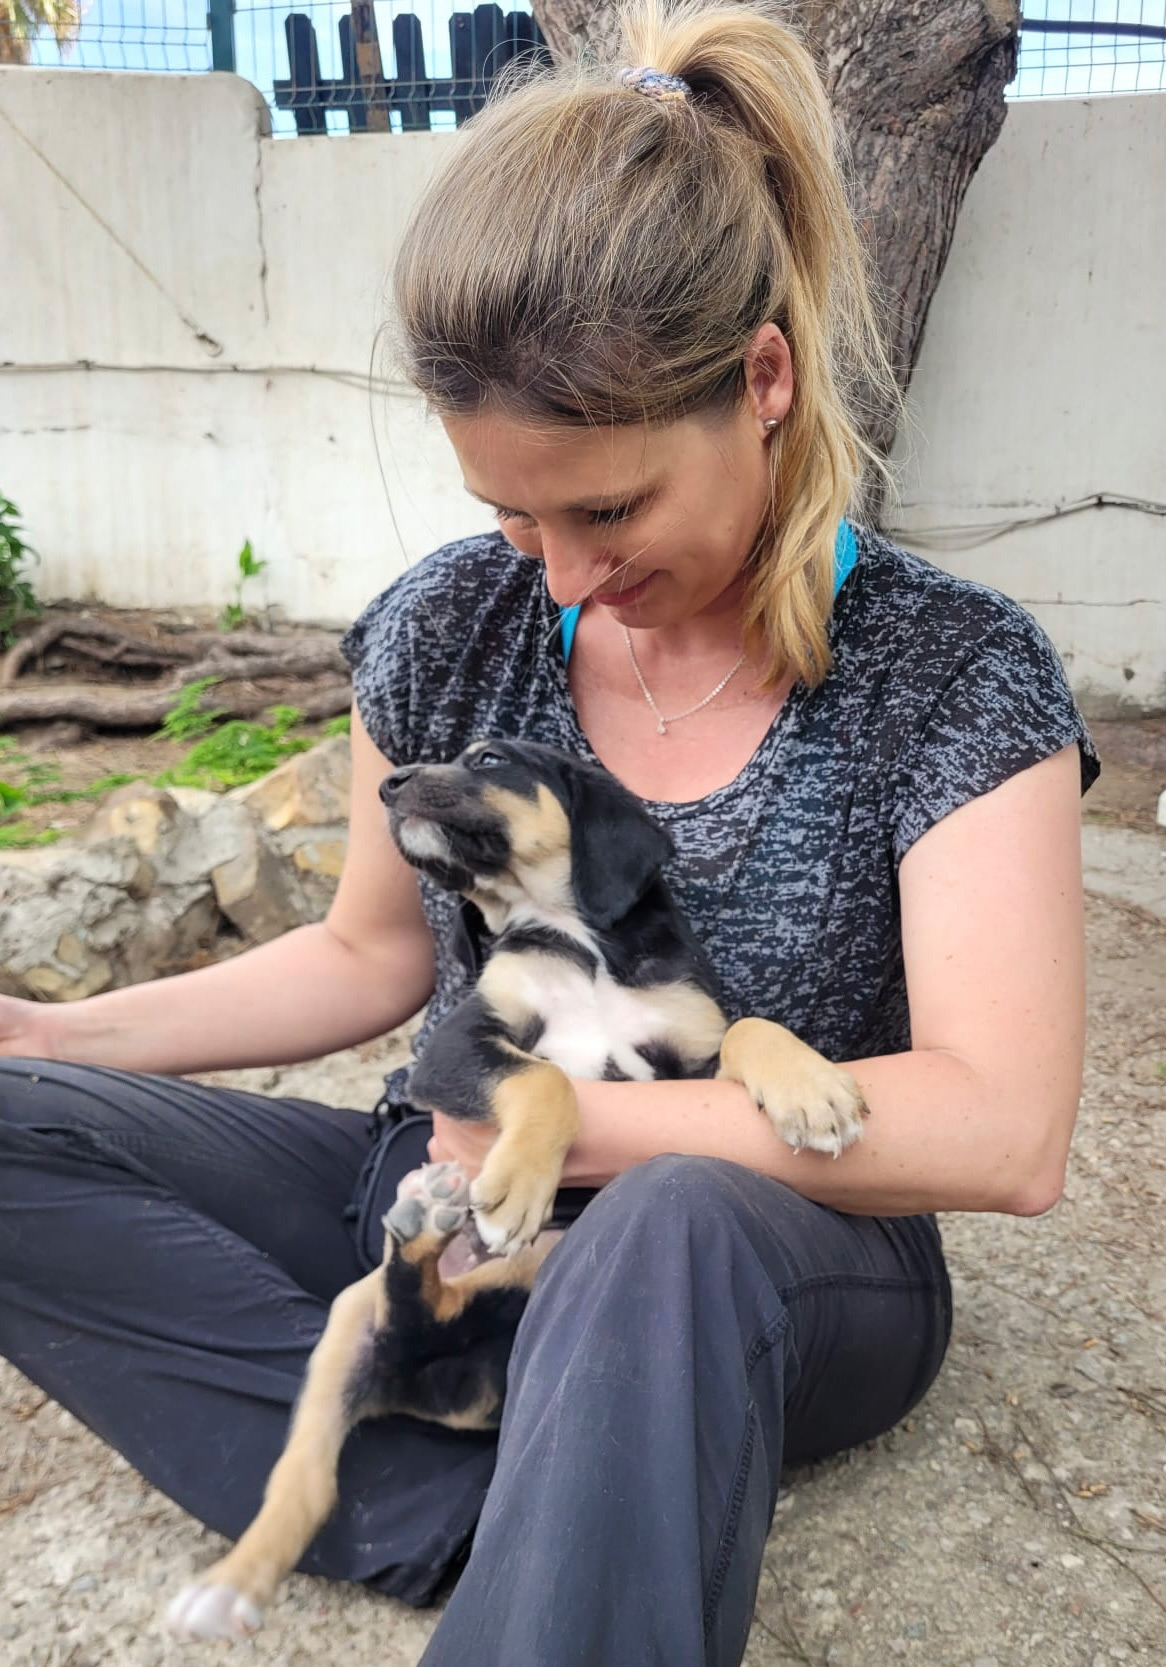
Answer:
[(617, 850), (467, 937)]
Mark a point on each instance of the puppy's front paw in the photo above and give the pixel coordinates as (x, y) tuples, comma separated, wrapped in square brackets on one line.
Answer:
[(512, 1200), (206, 1609), (811, 1103)]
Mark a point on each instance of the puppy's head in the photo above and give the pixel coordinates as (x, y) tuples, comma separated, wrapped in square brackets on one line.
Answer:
[(515, 823)]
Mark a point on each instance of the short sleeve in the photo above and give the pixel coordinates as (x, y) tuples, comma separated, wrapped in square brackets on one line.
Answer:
[(377, 648), (1007, 706)]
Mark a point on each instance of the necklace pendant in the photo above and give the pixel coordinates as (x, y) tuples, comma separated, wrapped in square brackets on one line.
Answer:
[(661, 728)]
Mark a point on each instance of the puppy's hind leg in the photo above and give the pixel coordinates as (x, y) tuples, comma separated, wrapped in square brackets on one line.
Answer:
[(228, 1600), (444, 1355)]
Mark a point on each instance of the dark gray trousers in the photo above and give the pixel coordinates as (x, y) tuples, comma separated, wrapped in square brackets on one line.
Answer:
[(168, 1253)]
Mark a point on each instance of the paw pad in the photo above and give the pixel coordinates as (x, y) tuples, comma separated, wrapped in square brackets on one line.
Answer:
[(433, 1199)]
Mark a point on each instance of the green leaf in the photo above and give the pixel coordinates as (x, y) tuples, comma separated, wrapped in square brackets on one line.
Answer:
[(249, 568)]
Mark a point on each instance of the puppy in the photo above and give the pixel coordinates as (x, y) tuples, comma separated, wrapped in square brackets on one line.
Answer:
[(584, 968)]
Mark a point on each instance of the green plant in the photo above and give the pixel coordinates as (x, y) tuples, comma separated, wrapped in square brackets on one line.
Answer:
[(238, 752), (187, 719), (21, 21), (17, 597), (233, 615), (27, 784), (339, 726)]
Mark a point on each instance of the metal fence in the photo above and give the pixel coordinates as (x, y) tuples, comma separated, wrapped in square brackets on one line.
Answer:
[(331, 66), (1069, 48)]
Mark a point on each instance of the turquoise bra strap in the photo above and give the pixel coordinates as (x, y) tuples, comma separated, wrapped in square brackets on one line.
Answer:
[(845, 556), (568, 619)]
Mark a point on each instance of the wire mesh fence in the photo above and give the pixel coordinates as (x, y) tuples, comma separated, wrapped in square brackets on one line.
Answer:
[(333, 66), (1069, 48)]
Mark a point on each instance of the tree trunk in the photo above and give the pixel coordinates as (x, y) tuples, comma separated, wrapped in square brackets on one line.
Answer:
[(14, 49), (918, 90)]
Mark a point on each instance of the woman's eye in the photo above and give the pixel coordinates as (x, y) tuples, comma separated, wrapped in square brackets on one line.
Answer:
[(597, 517)]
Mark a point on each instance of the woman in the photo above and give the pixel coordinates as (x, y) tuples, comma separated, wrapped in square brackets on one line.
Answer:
[(636, 302)]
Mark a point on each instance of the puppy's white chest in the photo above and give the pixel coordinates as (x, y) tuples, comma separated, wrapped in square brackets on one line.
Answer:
[(588, 1021)]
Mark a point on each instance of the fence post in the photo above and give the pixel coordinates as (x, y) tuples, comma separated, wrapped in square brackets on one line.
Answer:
[(366, 50), (220, 20)]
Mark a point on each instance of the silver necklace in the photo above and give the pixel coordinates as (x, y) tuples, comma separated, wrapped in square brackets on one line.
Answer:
[(661, 721)]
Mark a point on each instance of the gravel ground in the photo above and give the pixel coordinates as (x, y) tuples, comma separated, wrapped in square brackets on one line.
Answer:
[(1019, 1516)]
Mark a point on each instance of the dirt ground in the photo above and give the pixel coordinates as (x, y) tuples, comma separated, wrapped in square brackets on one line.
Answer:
[(1019, 1516), (83, 756)]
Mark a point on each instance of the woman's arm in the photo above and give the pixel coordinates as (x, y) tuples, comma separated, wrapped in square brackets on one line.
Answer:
[(979, 1115), (364, 970)]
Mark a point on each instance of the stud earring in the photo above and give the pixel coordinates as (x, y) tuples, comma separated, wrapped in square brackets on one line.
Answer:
[(771, 423)]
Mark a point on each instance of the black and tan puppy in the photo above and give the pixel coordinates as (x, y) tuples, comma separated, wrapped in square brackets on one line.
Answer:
[(584, 968)]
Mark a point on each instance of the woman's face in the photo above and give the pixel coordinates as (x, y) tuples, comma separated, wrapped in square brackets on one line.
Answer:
[(653, 524)]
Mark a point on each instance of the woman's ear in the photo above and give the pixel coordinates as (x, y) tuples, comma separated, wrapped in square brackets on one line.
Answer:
[(617, 850), (769, 375)]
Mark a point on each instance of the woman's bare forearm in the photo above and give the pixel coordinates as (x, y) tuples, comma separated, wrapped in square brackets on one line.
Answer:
[(940, 1136), (302, 995)]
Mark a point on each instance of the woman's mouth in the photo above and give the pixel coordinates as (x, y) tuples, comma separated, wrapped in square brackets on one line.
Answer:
[(625, 596)]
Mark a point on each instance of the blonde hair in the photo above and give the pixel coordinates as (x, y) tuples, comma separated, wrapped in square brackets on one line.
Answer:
[(593, 256)]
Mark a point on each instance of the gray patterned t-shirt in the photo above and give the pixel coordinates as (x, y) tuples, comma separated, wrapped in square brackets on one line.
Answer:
[(941, 689)]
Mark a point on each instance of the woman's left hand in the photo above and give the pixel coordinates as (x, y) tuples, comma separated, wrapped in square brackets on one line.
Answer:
[(458, 1140)]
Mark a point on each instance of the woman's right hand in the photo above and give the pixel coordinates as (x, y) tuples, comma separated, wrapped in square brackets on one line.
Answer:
[(24, 1029)]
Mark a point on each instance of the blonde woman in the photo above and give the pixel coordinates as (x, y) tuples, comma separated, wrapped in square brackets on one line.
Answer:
[(636, 302)]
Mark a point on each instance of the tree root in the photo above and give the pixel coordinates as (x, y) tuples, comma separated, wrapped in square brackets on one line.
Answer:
[(237, 660)]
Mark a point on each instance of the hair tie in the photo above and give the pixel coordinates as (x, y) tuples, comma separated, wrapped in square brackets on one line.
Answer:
[(654, 83)]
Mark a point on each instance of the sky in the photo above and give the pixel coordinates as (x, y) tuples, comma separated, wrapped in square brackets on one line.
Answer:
[(172, 35)]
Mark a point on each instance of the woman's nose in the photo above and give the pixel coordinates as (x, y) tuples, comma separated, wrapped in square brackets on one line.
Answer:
[(570, 568)]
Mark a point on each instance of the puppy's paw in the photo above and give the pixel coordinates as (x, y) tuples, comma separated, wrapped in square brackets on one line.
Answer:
[(434, 1199), (811, 1103), (208, 1610), (511, 1201)]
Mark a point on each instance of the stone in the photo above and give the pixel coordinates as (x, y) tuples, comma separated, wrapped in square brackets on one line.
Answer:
[(310, 790), (138, 811), (256, 892), (321, 856), (50, 983), (157, 876)]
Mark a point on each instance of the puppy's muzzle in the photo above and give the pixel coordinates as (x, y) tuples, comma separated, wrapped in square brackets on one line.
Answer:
[(431, 790)]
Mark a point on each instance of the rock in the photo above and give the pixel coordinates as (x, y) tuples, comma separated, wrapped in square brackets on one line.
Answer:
[(138, 811), (157, 876), (310, 790), (51, 901), (256, 892), (321, 856)]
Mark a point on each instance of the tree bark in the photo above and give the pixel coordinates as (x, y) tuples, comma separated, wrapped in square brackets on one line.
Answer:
[(918, 90), (238, 661), (14, 49)]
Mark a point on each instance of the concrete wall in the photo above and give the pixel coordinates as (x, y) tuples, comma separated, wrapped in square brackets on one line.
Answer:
[(191, 308), (1042, 381)]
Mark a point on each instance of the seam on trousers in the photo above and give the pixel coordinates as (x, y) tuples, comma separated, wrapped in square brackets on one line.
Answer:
[(726, 1543), (856, 1281), (144, 1146)]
